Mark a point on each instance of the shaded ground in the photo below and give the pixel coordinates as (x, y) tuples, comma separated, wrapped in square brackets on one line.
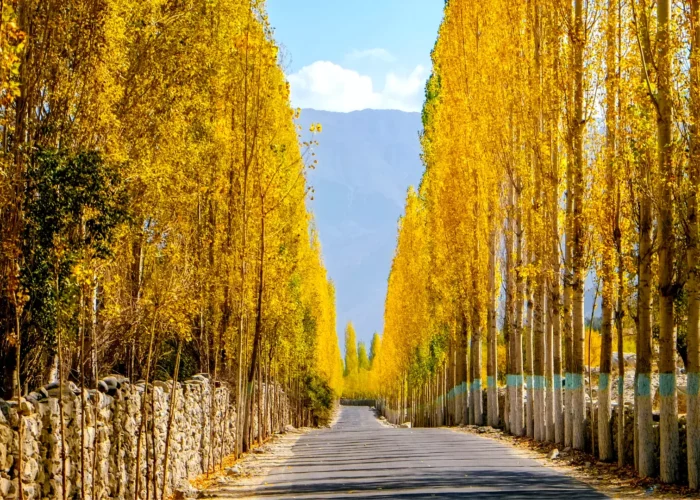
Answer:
[(360, 458), (614, 481)]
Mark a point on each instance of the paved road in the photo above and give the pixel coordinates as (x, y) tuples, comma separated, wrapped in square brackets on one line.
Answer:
[(361, 458)]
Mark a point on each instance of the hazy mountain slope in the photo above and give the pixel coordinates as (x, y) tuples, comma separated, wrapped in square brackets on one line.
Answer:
[(367, 160)]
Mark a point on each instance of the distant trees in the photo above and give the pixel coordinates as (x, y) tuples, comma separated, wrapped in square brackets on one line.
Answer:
[(360, 379)]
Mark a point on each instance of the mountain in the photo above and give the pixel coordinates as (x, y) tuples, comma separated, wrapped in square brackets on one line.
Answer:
[(366, 162)]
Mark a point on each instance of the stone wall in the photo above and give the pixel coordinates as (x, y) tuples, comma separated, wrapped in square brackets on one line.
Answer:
[(203, 430)]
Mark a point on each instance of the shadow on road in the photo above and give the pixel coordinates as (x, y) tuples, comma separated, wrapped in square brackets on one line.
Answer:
[(360, 458)]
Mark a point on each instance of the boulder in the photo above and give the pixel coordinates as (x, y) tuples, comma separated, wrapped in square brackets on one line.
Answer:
[(405, 425)]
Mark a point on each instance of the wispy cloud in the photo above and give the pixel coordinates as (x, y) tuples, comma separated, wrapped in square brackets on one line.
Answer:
[(376, 54), (328, 86)]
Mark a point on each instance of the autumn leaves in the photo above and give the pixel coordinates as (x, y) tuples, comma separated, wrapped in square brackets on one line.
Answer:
[(560, 150)]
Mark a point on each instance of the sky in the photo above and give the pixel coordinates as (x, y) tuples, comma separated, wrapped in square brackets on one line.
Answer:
[(350, 55), (343, 55)]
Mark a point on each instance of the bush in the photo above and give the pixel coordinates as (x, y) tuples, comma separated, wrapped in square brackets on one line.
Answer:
[(319, 399)]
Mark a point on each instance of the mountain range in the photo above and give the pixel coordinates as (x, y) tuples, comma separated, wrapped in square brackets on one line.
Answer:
[(366, 162)]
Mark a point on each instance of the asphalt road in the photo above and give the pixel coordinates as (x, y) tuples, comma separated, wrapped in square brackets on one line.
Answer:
[(361, 458)]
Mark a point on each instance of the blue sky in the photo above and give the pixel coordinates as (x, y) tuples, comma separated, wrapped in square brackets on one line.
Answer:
[(345, 55)]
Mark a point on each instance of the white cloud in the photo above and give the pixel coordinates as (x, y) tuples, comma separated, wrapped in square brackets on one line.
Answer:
[(327, 86), (376, 54)]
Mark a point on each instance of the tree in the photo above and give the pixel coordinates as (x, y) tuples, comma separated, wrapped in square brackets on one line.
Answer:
[(363, 362), (351, 351), (374, 349), (693, 284)]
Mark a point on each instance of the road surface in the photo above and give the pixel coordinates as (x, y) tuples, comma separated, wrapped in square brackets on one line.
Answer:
[(361, 458)]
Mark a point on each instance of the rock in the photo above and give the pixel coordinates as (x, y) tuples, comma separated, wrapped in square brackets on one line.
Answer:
[(26, 407), (382, 417), (30, 469), (554, 454), (405, 425), (587, 464), (289, 428), (233, 471), (35, 397), (163, 385), (112, 424), (6, 487), (184, 492), (112, 383), (5, 458)]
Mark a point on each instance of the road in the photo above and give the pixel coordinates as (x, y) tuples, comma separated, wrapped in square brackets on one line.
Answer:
[(361, 458)]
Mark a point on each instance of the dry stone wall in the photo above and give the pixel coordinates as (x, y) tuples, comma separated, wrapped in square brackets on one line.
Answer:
[(203, 430)]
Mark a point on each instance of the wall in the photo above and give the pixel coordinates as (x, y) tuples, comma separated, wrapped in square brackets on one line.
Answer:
[(200, 435)]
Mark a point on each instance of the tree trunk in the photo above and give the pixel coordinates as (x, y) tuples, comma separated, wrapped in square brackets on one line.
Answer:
[(477, 398), (492, 334), (517, 421), (642, 406), (668, 427), (461, 399), (578, 261), (529, 362), (508, 320), (605, 444), (538, 384), (693, 284)]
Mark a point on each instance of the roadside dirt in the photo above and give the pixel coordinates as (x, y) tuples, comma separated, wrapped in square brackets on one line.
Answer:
[(607, 478), (252, 468)]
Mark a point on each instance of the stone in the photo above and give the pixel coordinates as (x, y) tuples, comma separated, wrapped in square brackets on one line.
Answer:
[(25, 407), (5, 458), (553, 455), (6, 487), (34, 397), (405, 425), (30, 469), (112, 427), (184, 492), (233, 471)]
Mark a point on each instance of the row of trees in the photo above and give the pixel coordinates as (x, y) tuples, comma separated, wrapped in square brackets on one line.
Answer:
[(560, 145), (359, 378), (152, 202)]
